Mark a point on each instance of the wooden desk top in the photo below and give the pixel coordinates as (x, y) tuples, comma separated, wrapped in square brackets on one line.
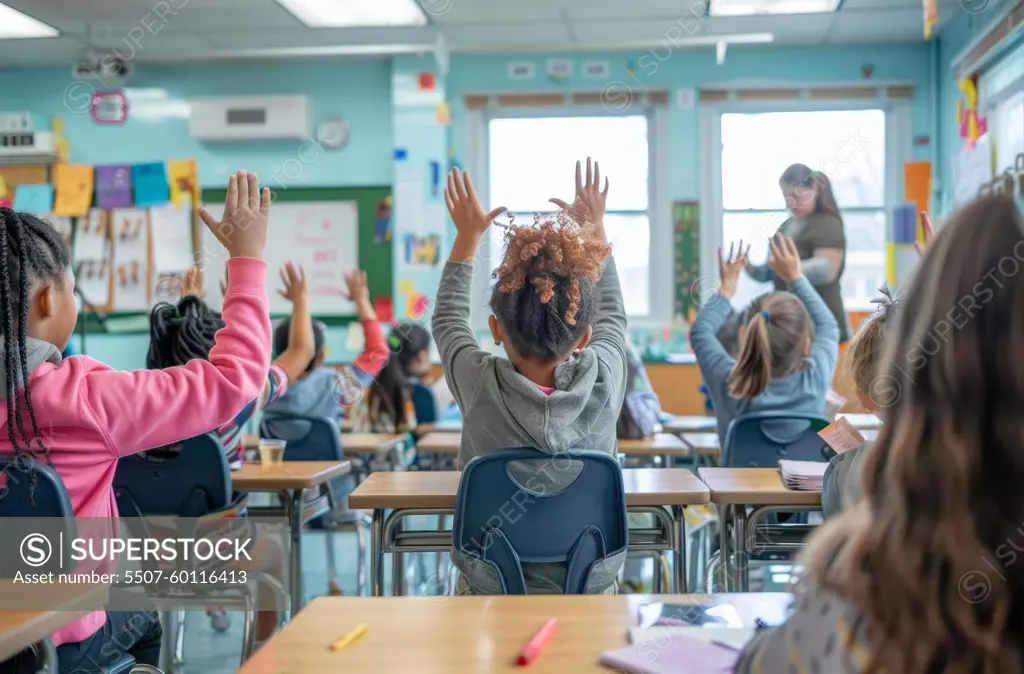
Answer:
[(753, 486), (437, 489), (691, 424), (445, 442), (454, 635), (67, 603), (287, 475), (355, 443)]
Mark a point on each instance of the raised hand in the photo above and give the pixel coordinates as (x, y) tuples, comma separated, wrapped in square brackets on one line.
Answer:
[(194, 284), (243, 229), (784, 259), (294, 279), (358, 290), (589, 206), (467, 213), (730, 266)]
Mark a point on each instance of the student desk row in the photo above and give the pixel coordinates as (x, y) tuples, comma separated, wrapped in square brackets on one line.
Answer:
[(451, 635), (406, 494), (67, 603)]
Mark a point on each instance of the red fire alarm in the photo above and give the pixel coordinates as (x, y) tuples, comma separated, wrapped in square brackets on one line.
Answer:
[(427, 82), (867, 70)]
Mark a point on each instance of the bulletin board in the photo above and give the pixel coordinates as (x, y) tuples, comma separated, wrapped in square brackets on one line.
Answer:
[(351, 240)]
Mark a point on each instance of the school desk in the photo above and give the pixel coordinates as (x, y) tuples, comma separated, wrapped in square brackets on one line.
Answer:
[(290, 478), (665, 445), (456, 635), (690, 424), (351, 443), (65, 604), (407, 494), (733, 490)]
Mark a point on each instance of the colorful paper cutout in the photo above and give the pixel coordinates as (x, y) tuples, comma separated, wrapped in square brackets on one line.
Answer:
[(149, 182), (34, 198), (183, 182), (73, 185)]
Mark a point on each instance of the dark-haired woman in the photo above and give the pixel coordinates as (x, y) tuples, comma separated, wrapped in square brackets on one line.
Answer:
[(817, 230)]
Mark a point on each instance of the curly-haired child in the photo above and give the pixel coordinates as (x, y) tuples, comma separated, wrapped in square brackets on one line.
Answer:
[(557, 310)]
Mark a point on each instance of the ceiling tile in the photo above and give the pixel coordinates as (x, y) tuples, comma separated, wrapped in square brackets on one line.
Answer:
[(495, 13), (880, 25), (653, 31)]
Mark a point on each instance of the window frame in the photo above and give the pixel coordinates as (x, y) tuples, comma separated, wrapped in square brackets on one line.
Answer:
[(662, 250), (898, 134)]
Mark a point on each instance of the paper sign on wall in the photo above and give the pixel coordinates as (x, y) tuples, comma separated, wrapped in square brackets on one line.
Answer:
[(559, 69), (596, 70), (73, 184), (34, 198), (521, 70), (114, 186), (182, 179)]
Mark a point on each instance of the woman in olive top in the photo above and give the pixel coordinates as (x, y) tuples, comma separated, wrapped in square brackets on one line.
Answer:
[(817, 229)]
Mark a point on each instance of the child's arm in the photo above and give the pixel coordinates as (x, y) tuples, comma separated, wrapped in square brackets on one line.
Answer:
[(785, 261), (375, 349), (759, 272), (301, 346), (140, 410), (714, 361), (461, 356)]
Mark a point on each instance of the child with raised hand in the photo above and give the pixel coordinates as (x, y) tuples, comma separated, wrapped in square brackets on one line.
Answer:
[(787, 349), (81, 416), (558, 312)]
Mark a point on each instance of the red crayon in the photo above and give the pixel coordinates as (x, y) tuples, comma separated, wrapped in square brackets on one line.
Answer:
[(531, 651)]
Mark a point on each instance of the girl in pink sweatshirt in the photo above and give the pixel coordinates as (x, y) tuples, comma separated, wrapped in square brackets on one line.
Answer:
[(81, 416)]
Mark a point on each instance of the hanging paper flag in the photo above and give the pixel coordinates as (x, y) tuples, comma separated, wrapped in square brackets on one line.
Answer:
[(931, 17), (34, 198), (114, 186), (5, 194), (182, 175), (73, 184), (149, 181)]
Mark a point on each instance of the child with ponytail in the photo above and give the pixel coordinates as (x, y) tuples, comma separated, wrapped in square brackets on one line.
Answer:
[(787, 348), (557, 310)]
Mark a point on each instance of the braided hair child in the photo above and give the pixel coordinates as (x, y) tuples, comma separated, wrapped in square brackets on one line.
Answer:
[(80, 416)]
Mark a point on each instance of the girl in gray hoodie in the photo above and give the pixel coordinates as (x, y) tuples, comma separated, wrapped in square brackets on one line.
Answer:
[(560, 318)]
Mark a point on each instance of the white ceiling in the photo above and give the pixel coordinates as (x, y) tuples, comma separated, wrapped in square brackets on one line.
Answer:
[(236, 29)]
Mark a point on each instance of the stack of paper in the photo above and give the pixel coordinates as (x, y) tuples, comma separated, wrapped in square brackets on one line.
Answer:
[(803, 475)]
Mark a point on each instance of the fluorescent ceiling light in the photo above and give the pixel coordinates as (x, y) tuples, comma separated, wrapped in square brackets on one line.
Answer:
[(355, 13), (755, 7), (14, 24)]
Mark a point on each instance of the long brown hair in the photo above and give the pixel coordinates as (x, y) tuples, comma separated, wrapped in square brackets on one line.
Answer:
[(801, 175), (772, 345), (928, 555)]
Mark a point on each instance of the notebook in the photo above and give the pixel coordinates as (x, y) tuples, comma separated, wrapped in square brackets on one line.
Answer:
[(803, 475), (734, 637), (704, 614), (841, 436), (679, 655)]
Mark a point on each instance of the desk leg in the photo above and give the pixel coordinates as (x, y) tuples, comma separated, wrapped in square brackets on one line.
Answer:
[(668, 461), (724, 551), (742, 563), (377, 554), (294, 501), (48, 654), (679, 517)]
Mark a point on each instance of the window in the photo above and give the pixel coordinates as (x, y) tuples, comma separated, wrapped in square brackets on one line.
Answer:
[(847, 145), (530, 160)]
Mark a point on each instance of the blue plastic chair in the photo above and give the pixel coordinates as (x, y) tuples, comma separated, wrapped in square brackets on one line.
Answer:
[(760, 439), (47, 498), (423, 404), (579, 525), (319, 439)]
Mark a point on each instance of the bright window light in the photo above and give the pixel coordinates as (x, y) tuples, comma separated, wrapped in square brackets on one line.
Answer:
[(753, 7), (355, 13), (14, 24)]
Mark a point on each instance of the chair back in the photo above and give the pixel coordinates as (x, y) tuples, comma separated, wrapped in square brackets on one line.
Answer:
[(760, 439), (423, 403), (188, 480), (32, 489), (308, 438), (525, 506)]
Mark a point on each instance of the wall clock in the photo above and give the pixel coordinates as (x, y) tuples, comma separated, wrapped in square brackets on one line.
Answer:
[(332, 133)]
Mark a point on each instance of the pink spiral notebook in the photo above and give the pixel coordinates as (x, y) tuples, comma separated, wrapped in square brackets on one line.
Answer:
[(675, 655)]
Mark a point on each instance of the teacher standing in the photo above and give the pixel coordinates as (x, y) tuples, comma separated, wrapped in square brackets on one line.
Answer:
[(817, 230)]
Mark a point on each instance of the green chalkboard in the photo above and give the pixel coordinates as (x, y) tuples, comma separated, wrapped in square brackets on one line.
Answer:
[(374, 257)]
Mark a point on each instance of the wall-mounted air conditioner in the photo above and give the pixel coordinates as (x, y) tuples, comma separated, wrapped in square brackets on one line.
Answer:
[(27, 147), (246, 118)]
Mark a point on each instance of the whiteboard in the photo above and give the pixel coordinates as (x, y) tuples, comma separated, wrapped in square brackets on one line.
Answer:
[(322, 236)]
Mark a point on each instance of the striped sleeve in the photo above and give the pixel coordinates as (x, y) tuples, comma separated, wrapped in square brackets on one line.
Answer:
[(277, 384)]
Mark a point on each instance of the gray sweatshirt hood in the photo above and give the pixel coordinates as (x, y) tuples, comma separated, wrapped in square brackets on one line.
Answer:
[(38, 352)]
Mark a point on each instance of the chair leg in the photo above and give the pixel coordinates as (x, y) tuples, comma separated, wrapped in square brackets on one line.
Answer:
[(713, 568), (248, 628), (179, 639), (332, 567), (657, 585), (361, 562)]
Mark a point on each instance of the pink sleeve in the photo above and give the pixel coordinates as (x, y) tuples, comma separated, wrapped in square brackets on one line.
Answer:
[(375, 350), (144, 409)]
